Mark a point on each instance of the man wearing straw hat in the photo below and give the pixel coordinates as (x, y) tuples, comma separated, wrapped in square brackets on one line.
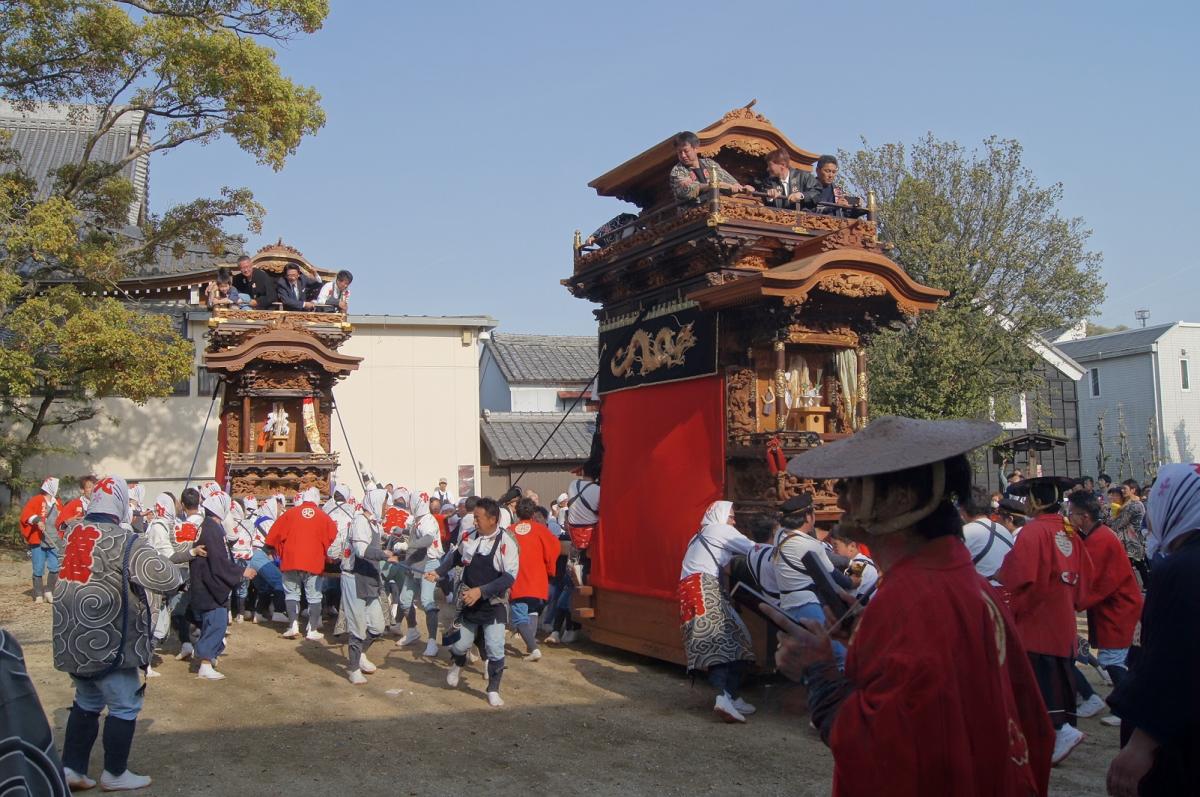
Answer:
[(938, 696)]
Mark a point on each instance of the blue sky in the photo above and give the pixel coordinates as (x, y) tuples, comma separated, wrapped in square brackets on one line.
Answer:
[(461, 137)]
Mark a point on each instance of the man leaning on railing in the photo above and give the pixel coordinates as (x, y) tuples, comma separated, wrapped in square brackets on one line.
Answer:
[(691, 175)]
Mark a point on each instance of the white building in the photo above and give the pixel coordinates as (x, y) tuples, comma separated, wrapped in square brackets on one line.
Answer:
[(1144, 376)]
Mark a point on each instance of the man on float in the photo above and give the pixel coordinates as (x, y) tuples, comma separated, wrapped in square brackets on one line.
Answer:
[(692, 174), (1045, 576), (39, 519), (935, 651)]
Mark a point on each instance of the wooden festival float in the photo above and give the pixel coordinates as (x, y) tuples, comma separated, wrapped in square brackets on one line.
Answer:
[(732, 338), (279, 368)]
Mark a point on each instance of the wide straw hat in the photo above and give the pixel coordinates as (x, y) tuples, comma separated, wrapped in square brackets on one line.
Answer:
[(1060, 484), (890, 444)]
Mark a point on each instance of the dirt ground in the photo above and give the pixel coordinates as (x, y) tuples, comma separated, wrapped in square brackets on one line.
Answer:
[(584, 720)]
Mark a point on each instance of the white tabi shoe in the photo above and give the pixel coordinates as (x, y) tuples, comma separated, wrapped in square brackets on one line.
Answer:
[(49, 596), (151, 672), (39, 599), (553, 638), (1111, 720), (293, 630), (314, 635), (76, 781), (365, 665), (185, 652), (432, 648), (209, 674), (126, 781), (452, 675), (1090, 707), (494, 700), (1066, 739), (357, 678), (743, 707), (724, 709), (411, 638), (534, 655)]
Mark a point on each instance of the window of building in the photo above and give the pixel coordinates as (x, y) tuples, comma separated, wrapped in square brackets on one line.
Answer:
[(1095, 378), (1183, 375)]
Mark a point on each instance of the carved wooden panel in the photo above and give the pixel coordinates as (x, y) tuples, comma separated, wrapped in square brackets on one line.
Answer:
[(740, 402)]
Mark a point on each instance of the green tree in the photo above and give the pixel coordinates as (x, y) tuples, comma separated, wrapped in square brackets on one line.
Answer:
[(180, 71), (978, 224)]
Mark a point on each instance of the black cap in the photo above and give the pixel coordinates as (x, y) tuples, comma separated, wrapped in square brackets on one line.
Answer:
[(1014, 507), (509, 494), (802, 502)]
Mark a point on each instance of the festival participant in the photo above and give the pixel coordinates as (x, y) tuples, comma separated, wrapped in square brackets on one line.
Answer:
[(508, 505), (271, 602), (213, 579), (1046, 578), (938, 697), (1127, 525), (987, 540), (1159, 700), (862, 571), (358, 552), (714, 637), (537, 553), (782, 185), (221, 293), (38, 517), (1012, 514), (423, 554), (239, 536), (292, 289), (824, 194), (583, 518), (441, 493), (692, 174), (187, 534), (301, 536), (254, 283), (336, 293), (1113, 600), (76, 508), (795, 537), (490, 564), (161, 534), (30, 766), (102, 634), (137, 502)]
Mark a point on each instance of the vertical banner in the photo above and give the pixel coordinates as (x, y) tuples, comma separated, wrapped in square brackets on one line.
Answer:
[(466, 480)]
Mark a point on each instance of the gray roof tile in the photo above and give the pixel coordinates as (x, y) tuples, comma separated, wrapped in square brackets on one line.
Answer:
[(517, 436), (1128, 341), (544, 359)]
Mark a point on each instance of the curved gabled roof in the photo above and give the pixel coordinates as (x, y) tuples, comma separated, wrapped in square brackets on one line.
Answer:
[(642, 179)]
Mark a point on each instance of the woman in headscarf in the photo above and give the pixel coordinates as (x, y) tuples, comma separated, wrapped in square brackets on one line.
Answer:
[(212, 580), (714, 636), (938, 696), (358, 551), (1159, 700)]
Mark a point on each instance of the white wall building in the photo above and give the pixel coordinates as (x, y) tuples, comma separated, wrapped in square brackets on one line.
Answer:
[(1145, 375)]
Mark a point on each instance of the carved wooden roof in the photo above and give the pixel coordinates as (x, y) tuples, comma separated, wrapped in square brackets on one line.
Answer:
[(281, 346), (736, 139), (275, 257), (851, 272)]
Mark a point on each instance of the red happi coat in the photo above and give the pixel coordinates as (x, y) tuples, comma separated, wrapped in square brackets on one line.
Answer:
[(1046, 575), (395, 520), (39, 506), (301, 535), (944, 699), (1113, 599)]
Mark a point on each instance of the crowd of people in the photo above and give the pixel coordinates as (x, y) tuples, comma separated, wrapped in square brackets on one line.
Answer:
[(251, 288), (130, 579), (946, 657)]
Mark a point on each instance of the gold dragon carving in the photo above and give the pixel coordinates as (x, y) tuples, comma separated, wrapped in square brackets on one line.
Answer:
[(666, 349), (858, 286)]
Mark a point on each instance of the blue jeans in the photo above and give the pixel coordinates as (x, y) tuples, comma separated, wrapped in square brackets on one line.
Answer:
[(213, 624), (413, 581), (43, 559), (269, 579), (814, 611), (121, 690)]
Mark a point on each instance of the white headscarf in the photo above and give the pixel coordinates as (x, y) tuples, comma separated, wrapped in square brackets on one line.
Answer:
[(218, 503), (269, 508), (111, 497), (342, 493), (311, 496), (372, 503), (137, 495), (164, 506), (251, 504), (1174, 505), (420, 506), (50, 486), (400, 497), (717, 514)]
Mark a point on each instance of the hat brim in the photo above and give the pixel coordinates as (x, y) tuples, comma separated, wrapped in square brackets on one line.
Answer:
[(890, 444), (1060, 483)]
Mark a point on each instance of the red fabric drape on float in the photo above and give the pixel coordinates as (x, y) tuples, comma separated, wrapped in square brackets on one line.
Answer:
[(664, 463), (219, 476)]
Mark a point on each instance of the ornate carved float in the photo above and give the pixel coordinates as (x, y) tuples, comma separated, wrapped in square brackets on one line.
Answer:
[(279, 369), (776, 306)]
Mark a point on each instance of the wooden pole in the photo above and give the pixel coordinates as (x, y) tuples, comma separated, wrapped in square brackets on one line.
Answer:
[(781, 409), (862, 388), (247, 425)]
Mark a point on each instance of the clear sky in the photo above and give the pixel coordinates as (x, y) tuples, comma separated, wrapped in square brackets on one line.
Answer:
[(461, 137)]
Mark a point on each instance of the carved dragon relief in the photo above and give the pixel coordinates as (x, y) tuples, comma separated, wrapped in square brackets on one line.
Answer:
[(857, 286), (741, 403), (665, 349)]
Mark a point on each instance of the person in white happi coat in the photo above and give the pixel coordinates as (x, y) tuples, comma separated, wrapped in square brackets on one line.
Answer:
[(358, 551), (423, 553)]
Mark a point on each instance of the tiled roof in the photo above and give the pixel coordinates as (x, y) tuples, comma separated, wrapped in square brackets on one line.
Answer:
[(544, 359), (49, 138), (517, 436), (1113, 343)]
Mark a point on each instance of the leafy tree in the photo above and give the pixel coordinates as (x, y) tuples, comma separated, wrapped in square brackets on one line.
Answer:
[(180, 71), (978, 224)]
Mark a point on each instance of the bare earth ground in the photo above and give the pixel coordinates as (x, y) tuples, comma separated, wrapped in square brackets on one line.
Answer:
[(583, 720)]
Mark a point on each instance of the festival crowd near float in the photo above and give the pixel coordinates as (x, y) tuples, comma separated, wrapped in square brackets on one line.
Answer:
[(853, 580)]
